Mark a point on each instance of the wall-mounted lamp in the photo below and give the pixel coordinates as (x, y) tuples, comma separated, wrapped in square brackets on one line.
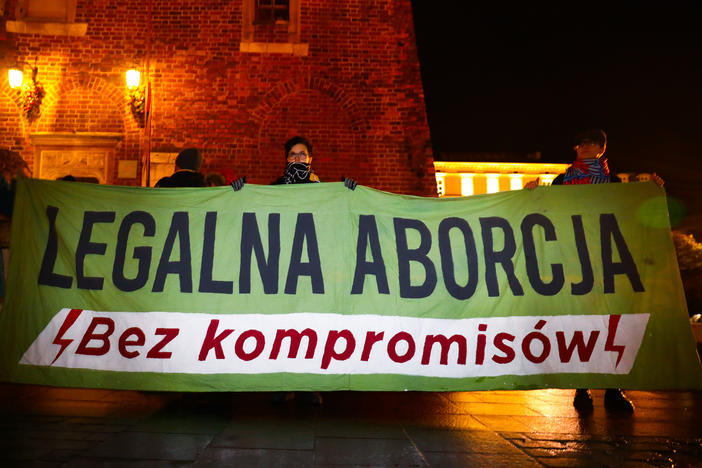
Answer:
[(133, 78), (137, 100), (14, 76)]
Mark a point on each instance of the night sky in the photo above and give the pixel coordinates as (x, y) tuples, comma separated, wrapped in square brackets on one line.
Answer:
[(504, 79)]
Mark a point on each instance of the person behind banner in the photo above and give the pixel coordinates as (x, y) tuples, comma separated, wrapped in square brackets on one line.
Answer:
[(298, 170), (187, 172), (12, 166), (590, 167), (298, 165)]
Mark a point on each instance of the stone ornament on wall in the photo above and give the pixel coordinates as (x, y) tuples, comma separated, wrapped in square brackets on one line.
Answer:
[(82, 155), (78, 163)]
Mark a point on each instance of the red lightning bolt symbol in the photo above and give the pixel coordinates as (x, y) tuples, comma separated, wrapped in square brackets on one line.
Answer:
[(70, 320), (609, 345)]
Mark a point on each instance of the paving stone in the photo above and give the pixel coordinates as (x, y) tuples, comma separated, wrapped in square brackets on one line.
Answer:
[(264, 458), (563, 425), (184, 423), (73, 408), (463, 460), (444, 421), (513, 429), (46, 444), (61, 456), (465, 396), (460, 441), (499, 423), (147, 445), (358, 428), (37, 464), (365, 452), (122, 463), (107, 422), (60, 433), (266, 434), (583, 462), (504, 409), (526, 442), (560, 436), (16, 452)]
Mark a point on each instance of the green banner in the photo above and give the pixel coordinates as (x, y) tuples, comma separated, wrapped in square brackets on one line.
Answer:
[(318, 287)]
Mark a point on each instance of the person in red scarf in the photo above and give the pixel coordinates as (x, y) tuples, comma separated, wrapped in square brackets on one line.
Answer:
[(590, 167)]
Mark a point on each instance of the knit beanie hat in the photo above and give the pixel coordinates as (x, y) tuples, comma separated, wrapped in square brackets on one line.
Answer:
[(189, 158)]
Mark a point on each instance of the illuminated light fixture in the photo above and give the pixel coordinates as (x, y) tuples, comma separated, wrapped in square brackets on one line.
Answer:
[(133, 78), (14, 76), (467, 185), (515, 181), (137, 101), (493, 183)]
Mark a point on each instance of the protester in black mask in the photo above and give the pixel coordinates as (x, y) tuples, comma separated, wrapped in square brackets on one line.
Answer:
[(298, 170), (298, 154)]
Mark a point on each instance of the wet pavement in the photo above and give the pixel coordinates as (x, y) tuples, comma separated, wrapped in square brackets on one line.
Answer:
[(52, 427)]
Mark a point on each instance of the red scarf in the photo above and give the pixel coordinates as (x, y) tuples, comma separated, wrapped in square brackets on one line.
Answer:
[(587, 171)]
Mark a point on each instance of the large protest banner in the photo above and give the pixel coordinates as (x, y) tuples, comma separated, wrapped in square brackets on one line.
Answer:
[(320, 287)]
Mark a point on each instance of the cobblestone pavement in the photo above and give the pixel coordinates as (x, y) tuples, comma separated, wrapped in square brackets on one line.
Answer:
[(51, 427)]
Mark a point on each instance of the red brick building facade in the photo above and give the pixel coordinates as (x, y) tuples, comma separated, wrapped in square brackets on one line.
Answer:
[(345, 74)]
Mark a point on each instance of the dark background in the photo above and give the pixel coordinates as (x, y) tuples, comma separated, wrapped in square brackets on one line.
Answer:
[(505, 78)]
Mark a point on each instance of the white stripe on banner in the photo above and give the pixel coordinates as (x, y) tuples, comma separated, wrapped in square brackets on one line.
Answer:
[(317, 343)]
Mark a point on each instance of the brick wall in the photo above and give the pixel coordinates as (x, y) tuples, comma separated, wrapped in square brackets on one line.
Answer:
[(357, 94)]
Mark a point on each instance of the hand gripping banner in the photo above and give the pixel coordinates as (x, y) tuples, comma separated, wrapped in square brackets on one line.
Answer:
[(317, 287)]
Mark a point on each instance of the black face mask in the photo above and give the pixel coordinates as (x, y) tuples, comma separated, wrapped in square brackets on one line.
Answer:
[(296, 173)]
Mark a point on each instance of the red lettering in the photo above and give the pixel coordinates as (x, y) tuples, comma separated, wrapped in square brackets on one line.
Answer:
[(239, 346), (91, 335), (168, 335), (538, 336), (392, 347), (565, 352), (329, 347), (371, 339), (124, 342), (499, 342), (480, 351), (445, 343), (212, 341), (295, 338)]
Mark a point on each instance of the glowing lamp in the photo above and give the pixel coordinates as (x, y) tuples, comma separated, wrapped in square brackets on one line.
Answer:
[(14, 76), (133, 77), (137, 100)]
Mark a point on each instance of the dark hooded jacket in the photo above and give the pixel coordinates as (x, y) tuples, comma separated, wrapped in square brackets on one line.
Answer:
[(183, 179)]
